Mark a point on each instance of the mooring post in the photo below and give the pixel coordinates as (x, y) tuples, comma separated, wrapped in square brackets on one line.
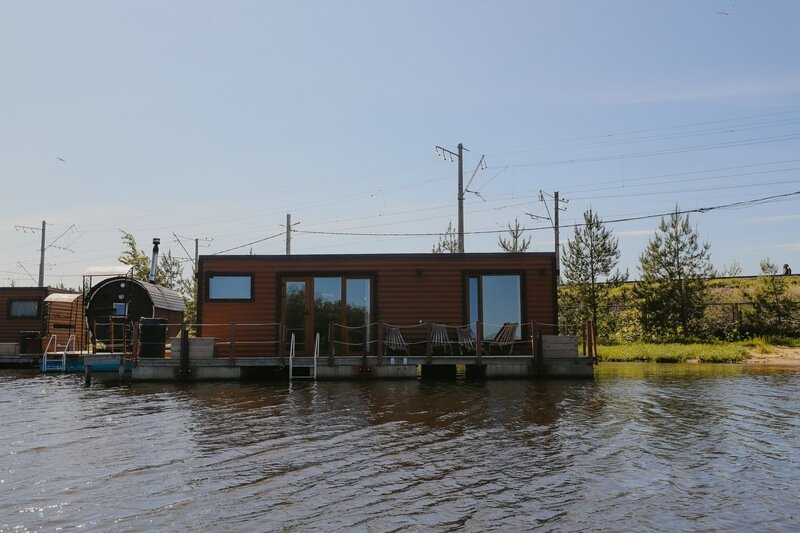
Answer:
[(380, 341), (478, 343), (281, 342), (232, 344), (365, 343), (429, 346), (184, 352), (331, 348), (537, 344), (585, 337), (135, 347)]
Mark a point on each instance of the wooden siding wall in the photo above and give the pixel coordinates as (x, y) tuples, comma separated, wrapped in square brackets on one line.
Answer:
[(65, 319), (407, 289), (59, 318), (10, 327)]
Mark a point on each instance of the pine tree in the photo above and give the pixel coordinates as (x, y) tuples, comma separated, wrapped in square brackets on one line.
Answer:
[(672, 291), (773, 310), (516, 243), (589, 262)]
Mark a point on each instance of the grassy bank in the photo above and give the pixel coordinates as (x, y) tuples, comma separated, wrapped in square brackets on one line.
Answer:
[(674, 353)]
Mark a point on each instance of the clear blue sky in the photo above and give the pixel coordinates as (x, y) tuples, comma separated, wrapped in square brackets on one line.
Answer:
[(216, 119)]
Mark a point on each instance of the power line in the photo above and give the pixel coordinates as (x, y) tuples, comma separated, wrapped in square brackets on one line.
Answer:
[(733, 205), (668, 151), (252, 243)]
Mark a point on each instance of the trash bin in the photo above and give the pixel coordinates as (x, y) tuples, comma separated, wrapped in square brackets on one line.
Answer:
[(152, 337), (30, 342)]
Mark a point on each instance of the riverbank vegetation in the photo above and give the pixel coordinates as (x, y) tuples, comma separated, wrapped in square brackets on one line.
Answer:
[(681, 308), (674, 353)]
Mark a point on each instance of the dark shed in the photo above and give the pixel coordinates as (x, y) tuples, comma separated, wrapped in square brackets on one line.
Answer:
[(116, 304)]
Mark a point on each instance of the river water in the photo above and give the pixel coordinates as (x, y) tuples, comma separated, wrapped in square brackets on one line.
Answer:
[(641, 447)]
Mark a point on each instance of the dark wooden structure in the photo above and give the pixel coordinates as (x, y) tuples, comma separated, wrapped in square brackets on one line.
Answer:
[(30, 315), (375, 304), (115, 305)]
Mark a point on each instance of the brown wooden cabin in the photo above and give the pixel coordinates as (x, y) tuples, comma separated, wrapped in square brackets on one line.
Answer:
[(253, 304), (29, 314)]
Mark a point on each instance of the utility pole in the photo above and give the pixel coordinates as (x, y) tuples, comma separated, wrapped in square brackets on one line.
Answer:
[(444, 153), (196, 261), (288, 234), (553, 218), (555, 231), (43, 248), (41, 257)]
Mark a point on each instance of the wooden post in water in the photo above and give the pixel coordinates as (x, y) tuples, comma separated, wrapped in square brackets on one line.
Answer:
[(232, 345), (429, 346), (380, 341), (184, 352), (478, 342), (331, 350), (281, 341)]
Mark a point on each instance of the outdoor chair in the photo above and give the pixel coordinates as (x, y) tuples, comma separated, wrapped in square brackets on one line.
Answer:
[(466, 340), (439, 340), (505, 338), (393, 340)]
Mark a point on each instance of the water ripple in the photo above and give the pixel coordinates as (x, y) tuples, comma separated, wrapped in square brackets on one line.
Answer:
[(641, 448)]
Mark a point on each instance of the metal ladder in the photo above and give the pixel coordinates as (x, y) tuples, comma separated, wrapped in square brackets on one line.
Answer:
[(54, 341), (291, 360)]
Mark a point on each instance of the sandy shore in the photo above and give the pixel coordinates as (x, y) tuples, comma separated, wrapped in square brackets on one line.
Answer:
[(778, 355)]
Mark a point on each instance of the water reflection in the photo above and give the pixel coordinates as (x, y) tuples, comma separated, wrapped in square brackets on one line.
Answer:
[(644, 447)]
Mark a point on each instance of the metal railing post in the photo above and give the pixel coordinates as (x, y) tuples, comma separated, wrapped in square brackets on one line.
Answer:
[(232, 343)]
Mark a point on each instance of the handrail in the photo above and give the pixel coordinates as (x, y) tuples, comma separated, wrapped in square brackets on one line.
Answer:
[(71, 339), (54, 340)]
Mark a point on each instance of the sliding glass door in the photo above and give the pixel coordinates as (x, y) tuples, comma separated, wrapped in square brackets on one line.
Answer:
[(324, 304)]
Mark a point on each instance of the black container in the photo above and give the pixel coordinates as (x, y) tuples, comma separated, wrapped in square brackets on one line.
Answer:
[(152, 337), (30, 342)]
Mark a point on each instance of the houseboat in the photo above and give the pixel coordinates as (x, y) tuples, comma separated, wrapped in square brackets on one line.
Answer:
[(382, 315)]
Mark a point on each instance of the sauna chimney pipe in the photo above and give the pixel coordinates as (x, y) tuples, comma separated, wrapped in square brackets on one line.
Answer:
[(154, 261)]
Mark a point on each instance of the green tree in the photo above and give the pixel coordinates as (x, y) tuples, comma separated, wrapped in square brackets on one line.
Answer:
[(448, 243), (773, 309), (672, 291), (132, 256), (169, 273), (589, 261), (515, 243)]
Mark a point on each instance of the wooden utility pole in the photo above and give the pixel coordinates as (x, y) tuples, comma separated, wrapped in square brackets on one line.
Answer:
[(555, 232), (553, 218), (444, 153), (288, 234), (41, 257)]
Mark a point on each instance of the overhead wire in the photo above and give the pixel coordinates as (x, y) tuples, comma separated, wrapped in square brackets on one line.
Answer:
[(733, 205)]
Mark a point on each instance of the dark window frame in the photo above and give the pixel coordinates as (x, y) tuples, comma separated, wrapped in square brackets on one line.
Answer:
[(523, 301), (37, 301), (344, 275), (210, 275)]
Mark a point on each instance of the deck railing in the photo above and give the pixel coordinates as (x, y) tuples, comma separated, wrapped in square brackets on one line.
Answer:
[(377, 339)]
